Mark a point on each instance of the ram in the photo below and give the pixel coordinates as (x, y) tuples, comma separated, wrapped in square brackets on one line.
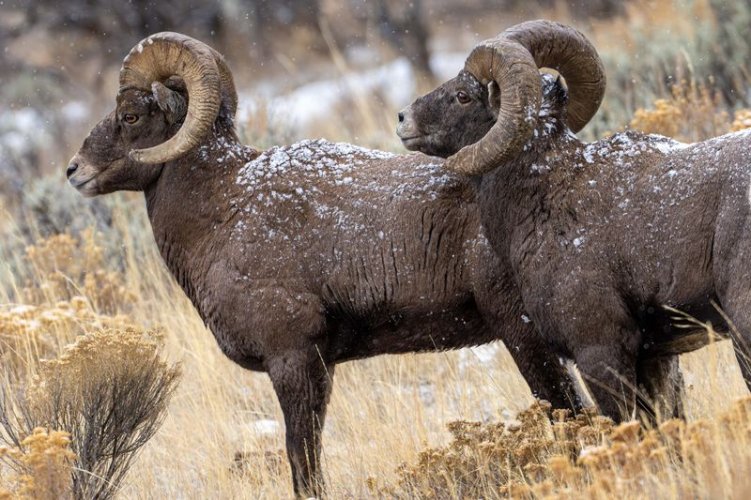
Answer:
[(599, 235), (304, 256)]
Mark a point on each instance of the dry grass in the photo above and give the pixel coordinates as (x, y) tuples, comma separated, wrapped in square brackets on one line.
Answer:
[(223, 434), (585, 457), (385, 435), (742, 120), (66, 266), (692, 113)]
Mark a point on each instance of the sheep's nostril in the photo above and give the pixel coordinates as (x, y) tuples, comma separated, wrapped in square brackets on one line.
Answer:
[(401, 117), (71, 169)]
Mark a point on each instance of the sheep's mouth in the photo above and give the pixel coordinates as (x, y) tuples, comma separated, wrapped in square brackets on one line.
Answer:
[(78, 184), (413, 142), (86, 187)]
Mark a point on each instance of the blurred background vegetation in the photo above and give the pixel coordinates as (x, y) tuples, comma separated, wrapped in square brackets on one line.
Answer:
[(86, 271), (341, 68)]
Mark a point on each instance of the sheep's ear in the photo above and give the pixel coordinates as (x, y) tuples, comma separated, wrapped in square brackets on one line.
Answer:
[(494, 97), (172, 103)]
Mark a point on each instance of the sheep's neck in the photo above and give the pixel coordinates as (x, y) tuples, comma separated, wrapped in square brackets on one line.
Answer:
[(518, 197), (188, 207)]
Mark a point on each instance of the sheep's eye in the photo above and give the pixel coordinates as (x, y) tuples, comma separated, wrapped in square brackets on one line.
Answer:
[(462, 97), (130, 118)]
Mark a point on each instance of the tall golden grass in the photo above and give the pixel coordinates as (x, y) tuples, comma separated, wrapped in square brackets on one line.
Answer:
[(387, 434)]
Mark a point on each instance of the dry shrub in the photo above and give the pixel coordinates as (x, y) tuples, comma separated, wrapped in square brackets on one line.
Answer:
[(66, 266), (482, 458), (29, 333), (110, 389), (693, 113), (742, 120), (42, 465), (584, 457)]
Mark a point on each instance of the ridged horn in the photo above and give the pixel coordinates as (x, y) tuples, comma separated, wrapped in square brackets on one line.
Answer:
[(512, 60), (514, 70), (227, 83), (566, 50), (165, 54)]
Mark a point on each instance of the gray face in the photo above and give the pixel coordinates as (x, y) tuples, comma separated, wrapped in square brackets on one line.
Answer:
[(141, 119), (458, 113)]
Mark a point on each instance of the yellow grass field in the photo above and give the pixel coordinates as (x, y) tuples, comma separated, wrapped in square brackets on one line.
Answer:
[(434, 425)]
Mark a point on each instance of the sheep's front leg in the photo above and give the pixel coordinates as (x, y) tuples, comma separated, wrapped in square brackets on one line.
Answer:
[(609, 370), (587, 316), (303, 385), (538, 364), (541, 368), (290, 328)]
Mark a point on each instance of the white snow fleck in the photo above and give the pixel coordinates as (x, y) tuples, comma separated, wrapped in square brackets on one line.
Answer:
[(263, 427), (588, 155), (588, 450), (665, 144), (539, 169), (21, 310), (485, 353)]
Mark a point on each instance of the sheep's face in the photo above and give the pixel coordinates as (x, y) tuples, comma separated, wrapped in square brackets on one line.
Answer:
[(141, 119), (458, 113)]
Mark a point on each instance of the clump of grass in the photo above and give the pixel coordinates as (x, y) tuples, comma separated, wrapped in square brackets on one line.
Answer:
[(29, 333), (692, 113), (110, 390), (67, 266), (42, 465), (742, 120), (482, 459), (584, 457)]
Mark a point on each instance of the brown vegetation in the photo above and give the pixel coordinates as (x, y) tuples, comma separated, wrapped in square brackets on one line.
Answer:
[(109, 390), (584, 457), (42, 465), (54, 295)]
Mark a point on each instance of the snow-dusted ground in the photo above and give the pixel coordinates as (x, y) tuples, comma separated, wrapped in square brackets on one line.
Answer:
[(302, 107), (27, 131)]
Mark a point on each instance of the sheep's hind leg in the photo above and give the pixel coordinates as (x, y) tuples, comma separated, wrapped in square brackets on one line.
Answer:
[(732, 280), (737, 305), (303, 385)]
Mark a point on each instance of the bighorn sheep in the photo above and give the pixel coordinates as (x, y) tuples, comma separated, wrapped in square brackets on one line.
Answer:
[(304, 256), (598, 235)]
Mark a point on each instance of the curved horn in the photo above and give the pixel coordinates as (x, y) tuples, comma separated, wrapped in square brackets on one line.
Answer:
[(566, 50), (514, 70), (227, 83), (160, 56)]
